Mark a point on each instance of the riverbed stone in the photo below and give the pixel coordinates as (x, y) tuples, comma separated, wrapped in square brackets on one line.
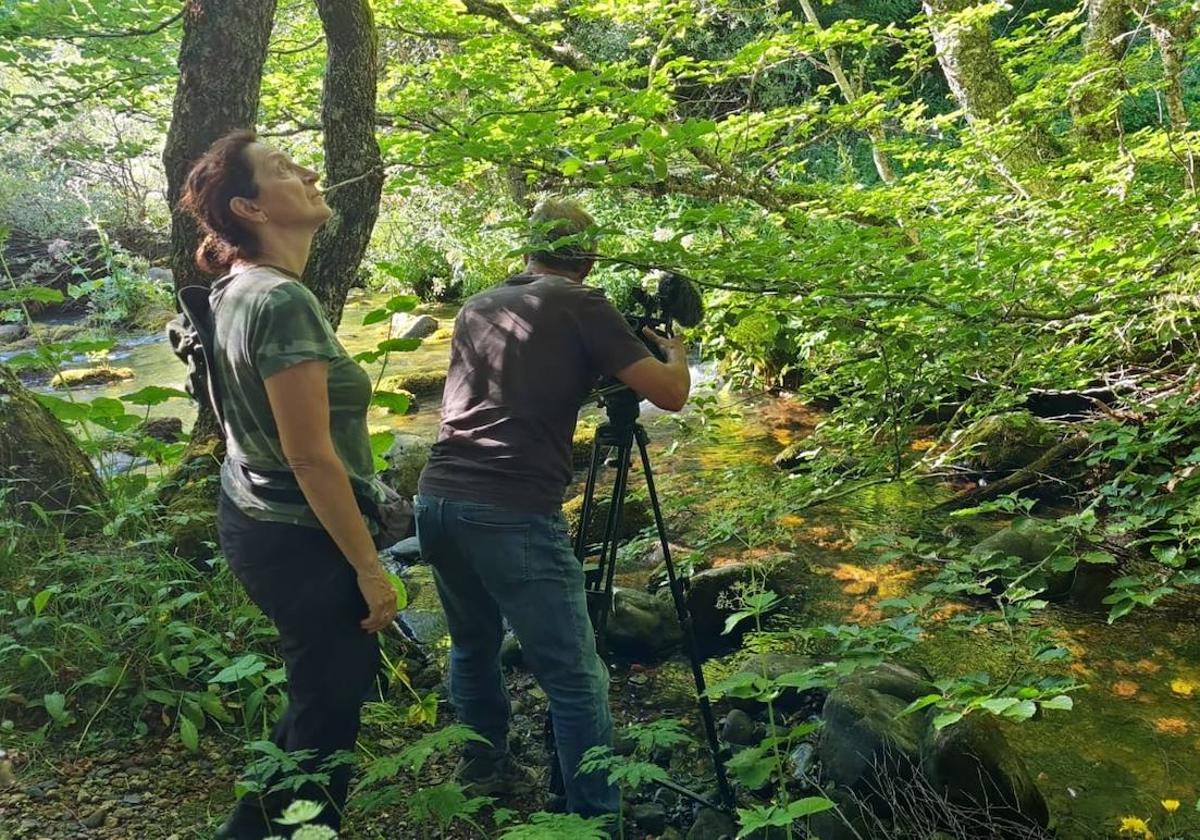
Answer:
[(739, 729), (405, 459), (636, 516), (424, 384), (13, 332), (714, 594), (642, 627), (711, 824), (163, 429), (79, 377), (871, 754), (408, 326)]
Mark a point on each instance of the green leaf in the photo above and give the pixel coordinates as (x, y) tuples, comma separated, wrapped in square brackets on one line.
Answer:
[(56, 706), (66, 411), (401, 591), (154, 395), (299, 812), (375, 316), (946, 719), (402, 303), (1022, 711), (399, 345), (1062, 703), (40, 601), (920, 703), (751, 767), (247, 666), (395, 402), (188, 734)]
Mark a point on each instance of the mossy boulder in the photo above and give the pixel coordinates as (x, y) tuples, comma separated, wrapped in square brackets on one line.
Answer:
[(13, 332), (581, 445), (875, 757), (1047, 562), (1003, 443), (41, 465), (636, 517), (441, 334), (164, 429), (405, 460), (642, 627), (409, 326), (422, 384), (78, 377)]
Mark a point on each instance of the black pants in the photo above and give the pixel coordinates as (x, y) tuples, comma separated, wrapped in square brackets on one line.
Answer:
[(299, 578)]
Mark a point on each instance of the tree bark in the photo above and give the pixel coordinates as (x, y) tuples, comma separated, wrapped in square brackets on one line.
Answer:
[(876, 134), (42, 465), (351, 151), (221, 62), (978, 80), (220, 72), (1103, 48)]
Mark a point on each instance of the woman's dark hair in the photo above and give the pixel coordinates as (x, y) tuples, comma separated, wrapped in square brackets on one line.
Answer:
[(222, 174)]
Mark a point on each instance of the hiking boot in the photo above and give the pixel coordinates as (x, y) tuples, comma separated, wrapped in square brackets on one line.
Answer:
[(495, 776)]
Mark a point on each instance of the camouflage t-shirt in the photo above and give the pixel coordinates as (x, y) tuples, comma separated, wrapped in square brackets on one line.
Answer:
[(265, 322)]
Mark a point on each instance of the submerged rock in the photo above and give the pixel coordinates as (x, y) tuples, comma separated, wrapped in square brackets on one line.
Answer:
[(77, 377), (1062, 573), (877, 758), (423, 384)]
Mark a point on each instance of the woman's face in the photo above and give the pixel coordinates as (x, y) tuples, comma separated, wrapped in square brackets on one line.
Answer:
[(287, 192)]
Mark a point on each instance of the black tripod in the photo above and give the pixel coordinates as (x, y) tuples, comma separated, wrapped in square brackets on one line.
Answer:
[(620, 434)]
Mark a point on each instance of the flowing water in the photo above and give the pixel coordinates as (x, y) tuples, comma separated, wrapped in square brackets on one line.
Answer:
[(1133, 738)]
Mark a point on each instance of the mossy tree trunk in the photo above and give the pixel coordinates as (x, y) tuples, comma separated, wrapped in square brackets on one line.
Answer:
[(979, 82), (221, 62), (41, 465), (351, 151), (1092, 105)]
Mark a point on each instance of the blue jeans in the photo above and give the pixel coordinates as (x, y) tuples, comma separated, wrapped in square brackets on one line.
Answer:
[(490, 563)]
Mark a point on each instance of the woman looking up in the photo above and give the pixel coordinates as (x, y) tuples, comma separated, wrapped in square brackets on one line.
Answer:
[(298, 454)]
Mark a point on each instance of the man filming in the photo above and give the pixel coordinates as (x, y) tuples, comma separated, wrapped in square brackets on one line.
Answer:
[(523, 359)]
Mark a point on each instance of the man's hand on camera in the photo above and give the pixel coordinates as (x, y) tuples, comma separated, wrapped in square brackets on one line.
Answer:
[(671, 347), (380, 596)]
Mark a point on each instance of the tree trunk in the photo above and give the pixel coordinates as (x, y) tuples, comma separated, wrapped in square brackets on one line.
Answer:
[(41, 464), (979, 81), (220, 73), (351, 151), (1170, 51), (876, 135), (1107, 21)]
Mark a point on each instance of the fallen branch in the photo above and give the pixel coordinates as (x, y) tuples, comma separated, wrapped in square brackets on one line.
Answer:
[(1035, 473)]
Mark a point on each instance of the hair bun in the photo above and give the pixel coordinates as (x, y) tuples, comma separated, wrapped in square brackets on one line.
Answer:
[(214, 254)]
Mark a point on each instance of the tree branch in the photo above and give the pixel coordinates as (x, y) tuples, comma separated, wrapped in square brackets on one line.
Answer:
[(127, 33)]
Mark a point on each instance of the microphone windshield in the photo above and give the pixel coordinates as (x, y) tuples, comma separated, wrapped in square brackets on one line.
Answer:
[(681, 300)]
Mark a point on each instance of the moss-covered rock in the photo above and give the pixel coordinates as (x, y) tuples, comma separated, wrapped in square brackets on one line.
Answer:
[(77, 377), (40, 463), (636, 517), (419, 383), (581, 445), (164, 429), (1004, 443), (871, 755), (406, 458), (442, 334)]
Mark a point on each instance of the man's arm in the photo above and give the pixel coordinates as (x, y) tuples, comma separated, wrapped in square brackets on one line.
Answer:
[(666, 384)]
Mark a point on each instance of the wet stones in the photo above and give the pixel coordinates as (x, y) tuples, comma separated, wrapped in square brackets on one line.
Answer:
[(879, 760)]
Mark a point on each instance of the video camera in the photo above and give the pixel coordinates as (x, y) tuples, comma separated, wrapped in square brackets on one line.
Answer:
[(675, 300)]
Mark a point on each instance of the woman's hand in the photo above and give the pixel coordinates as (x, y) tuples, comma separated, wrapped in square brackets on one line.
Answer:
[(380, 596)]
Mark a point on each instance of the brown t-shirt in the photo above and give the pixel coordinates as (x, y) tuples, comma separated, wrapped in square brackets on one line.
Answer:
[(524, 356)]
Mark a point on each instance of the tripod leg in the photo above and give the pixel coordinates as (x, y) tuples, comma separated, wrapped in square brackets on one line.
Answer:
[(608, 548), (685, 621), (589, 496)]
